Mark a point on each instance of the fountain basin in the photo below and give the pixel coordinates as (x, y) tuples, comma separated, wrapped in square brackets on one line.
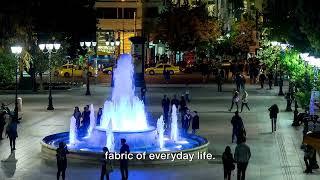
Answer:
[(87, 153)]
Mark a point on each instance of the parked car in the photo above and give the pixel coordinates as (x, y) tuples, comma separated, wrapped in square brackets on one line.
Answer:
[(66, 71), (107, 70), (158, 69)]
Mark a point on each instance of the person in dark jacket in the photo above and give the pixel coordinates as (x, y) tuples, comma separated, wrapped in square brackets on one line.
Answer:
[(274, 110), (237, 126), (228, 163), (309, 151), (85, 120), (143, 94), (61, 155), (99, 116), (124, 162), (175, 101), (77, 115), (166, 107), (219, 80), (238, 81), (195, 122), (2, 122), (186, 121), (270, 79), (262, 78), (12, 133), (106, 167)]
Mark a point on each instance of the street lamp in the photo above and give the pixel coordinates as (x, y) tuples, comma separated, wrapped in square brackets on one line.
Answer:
[(49, 49), (113, 43), (16, 50), (87, 46)]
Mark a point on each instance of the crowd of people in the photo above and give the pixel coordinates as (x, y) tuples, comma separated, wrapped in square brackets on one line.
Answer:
[(187, 118)]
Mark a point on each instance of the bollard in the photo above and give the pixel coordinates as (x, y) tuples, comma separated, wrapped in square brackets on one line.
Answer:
[(19, 99)]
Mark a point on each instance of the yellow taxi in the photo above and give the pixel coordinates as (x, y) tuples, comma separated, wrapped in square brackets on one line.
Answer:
[(158, 69), (107, 70), (68, 70)]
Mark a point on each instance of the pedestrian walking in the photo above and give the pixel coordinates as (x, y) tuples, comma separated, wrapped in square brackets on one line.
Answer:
[(2, 122), (242, 156), (195, 122), (106, 167), (274, 110), (238, 81), (186, 121), (235, 100), (61, 155), (262, 78), (237, 126), (124, 161), (244, 100), (166, 107), (12, 134), (219, 80), (187, 95), (228, 163), (99, 116), (77, 115), (243, 82), (270, 79), (309, 152)]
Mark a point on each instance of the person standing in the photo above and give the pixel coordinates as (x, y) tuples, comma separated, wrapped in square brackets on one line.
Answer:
[(61, 155), (238, 81), (244, 100), (195, 123), (228, 163), (85, 120), (186, 121), (166, 107), (262, 78), (77, 115), (99, 116), (12, 133), (106, 167), (274, 110), (242, 156), (143, 94), (243, 82), (270, 78), (237, 126), (2, 122), (124, 162), (235, 100), (175, 101)]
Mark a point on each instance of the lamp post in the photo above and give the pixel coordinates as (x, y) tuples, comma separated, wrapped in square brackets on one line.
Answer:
[(49, 49), (87, 46), (113, 43), (16, 50)]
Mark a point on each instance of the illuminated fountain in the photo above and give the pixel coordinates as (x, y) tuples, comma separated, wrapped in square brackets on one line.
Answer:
[(123, 117)]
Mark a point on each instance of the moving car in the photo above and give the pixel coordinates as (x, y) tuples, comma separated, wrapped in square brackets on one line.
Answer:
[(66, 70), (158, 69)]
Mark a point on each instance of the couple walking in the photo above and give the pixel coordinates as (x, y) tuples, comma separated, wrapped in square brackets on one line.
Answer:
[(236, 99), (241, 157)]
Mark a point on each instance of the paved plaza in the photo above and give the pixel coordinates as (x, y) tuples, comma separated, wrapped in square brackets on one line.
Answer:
[(275, 156)]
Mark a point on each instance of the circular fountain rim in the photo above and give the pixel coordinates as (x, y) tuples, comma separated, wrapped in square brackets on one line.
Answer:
[(48, 152), (150, 128)]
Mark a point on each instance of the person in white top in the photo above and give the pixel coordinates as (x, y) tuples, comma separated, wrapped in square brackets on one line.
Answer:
[(244, 100), (235, 100)]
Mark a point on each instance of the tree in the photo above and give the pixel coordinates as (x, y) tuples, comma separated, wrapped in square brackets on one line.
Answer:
[(183, 28), (242, 35), (7, 67), (41, 64)]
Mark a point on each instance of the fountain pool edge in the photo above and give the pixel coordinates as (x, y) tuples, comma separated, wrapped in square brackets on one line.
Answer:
[(48, 152)]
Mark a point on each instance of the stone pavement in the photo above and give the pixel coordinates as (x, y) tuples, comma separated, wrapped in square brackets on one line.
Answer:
[(275, 156)]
